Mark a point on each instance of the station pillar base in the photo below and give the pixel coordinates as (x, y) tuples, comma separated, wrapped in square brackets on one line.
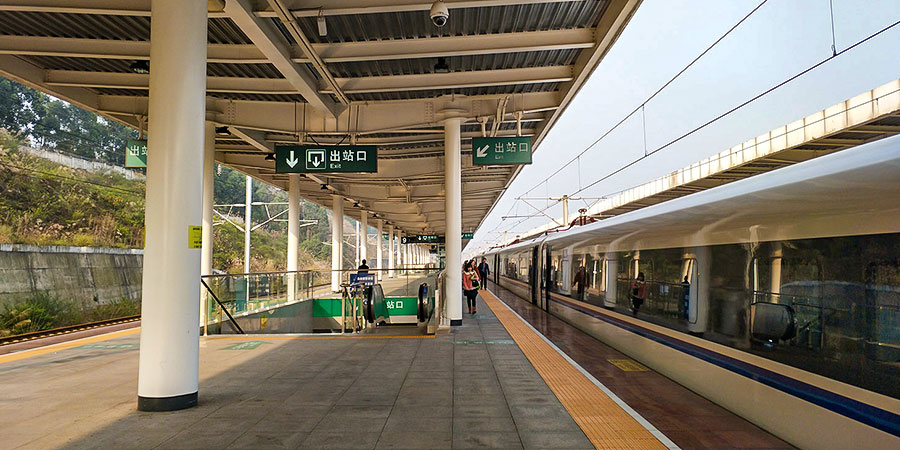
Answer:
[(160, 404)]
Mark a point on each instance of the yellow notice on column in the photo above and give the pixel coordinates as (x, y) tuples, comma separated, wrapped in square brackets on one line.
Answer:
[(195, 236)]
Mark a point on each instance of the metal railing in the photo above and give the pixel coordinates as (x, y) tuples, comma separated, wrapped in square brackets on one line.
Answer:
[(232, 298)]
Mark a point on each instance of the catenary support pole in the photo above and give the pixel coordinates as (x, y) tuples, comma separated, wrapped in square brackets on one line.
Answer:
[(337, 241), (379, 244), (293, 244), (209, 181), (364, 236), (248, 224), (390, 248), (168, 373), (453, 208)]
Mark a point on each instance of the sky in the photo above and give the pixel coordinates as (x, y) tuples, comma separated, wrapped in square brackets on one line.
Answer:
[(781, 39)]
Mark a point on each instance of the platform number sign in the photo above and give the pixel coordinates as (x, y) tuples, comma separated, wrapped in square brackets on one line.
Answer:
[(501, 150), (136, 153), (326, 158)]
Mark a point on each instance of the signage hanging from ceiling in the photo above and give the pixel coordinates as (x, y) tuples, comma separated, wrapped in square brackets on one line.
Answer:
[(501, 150), (136, 153), (326, 158)]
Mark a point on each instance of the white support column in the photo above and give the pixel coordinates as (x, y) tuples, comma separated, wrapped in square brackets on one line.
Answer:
[(209, 181), (364, 237), (610, 273), (453, 208), (390, 246), (379, 244), (358, 253), (168, 374), (337, 241), (293, 241), (400, 260), (248, 223)]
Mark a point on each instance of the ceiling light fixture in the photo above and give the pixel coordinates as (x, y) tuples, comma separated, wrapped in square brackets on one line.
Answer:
[(141, 67), (324, 187), (270, 157), (441, 66), (320, 21)]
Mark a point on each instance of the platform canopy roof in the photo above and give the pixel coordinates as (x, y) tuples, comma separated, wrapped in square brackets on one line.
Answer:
[(375, 76)]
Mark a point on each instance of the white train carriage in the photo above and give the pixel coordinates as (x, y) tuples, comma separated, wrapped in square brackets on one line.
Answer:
[(777, 297)]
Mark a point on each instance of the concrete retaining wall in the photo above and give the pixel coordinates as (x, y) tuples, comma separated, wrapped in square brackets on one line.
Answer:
[(86, 275)]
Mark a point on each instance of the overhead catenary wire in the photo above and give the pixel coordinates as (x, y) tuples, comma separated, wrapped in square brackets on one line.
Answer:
[(641, 106), (726, 113)]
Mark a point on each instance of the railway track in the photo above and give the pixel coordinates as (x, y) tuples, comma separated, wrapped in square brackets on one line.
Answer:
[(66, 330)]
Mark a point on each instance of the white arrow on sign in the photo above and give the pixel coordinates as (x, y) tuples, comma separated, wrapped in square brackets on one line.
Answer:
[(314, 159), (482, 151), (292, 161)]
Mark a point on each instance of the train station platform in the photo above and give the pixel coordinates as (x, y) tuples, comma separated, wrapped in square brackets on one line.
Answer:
[(497, 381)]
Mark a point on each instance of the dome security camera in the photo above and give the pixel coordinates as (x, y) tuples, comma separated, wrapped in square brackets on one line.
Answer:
[(439, 13)]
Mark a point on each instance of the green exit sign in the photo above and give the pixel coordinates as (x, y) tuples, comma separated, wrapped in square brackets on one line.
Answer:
[(326, 158), (468, 235), (136, 154), (501, 150), (422, 239)]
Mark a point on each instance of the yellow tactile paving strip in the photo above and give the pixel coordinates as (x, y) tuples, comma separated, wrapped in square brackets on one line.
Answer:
[(65, 345), (606, 424)]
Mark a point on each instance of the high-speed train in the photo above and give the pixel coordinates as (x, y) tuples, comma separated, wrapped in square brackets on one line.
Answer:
[(777, 296)]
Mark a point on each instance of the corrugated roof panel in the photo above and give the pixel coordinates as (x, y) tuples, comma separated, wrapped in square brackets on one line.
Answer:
[(462, 63), (224, 31), (122, 66), (91, 26), (463, 21)]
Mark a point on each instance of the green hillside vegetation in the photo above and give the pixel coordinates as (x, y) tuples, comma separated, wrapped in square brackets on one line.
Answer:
[(44, 203)]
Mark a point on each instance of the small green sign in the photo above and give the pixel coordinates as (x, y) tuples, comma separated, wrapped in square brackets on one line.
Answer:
[(136, 154), (326, 158), (501, 150), (405, 306), (468, 235), (249, 345)]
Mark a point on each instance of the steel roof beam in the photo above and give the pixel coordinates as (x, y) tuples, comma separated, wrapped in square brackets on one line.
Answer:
[(254, 138), (118, 49), (270, 42), (312, 8), (475, 78), (329, 52), (453, 80), (290, 23), (106, 7), (34, 77), (115, 80), (455, 45)]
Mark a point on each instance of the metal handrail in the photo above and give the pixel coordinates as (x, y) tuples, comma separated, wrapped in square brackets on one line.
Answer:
[(233, 322)]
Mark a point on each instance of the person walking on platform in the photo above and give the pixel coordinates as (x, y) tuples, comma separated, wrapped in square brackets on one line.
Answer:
[(363, 268), (483, 271), (580, 277), (638, 293), (470, 285)]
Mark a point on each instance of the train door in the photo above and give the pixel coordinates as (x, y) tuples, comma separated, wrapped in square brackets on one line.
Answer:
[(565, 272), (545, 280), (533, 272), (495, 269)]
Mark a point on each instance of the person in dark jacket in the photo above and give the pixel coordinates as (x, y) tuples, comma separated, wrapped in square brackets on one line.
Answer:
[(483, 271)]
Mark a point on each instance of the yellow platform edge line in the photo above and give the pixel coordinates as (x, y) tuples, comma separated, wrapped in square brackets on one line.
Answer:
[(10, 357), (257, 337), (581, 398)]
